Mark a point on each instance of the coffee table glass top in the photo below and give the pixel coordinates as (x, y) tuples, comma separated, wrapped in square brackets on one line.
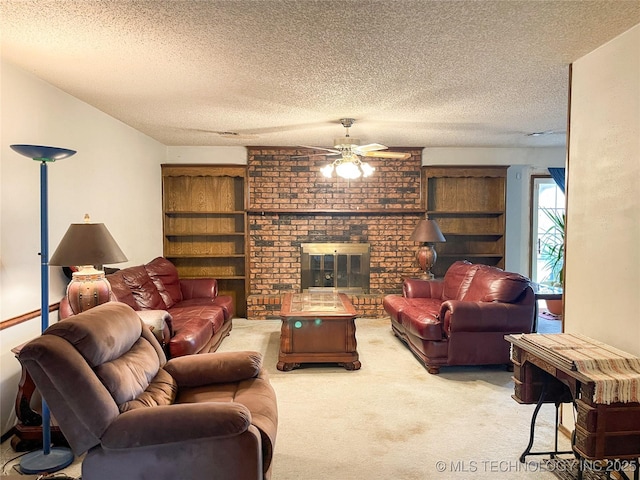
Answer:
[(317, 302)]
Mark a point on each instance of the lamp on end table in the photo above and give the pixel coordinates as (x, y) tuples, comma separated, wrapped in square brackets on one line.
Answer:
[(86, 245), (428, 232)]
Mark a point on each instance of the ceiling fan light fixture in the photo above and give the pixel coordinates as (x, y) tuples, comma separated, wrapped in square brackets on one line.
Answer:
[(367, 170), (349, 167), (348, 170), (327, 170)]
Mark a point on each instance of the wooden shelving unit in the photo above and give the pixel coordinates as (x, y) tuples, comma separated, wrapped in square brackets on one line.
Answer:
[(469, 205), (205, 225)]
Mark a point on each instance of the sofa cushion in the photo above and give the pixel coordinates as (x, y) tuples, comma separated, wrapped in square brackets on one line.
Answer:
[(161, 391), (142, 288), (457, 280), (227, 304), (491, 284), (507, 289), (120, 292), (198, 307), (127, 376), (423, 321), (164, 275), (394, 304), (192, 331)]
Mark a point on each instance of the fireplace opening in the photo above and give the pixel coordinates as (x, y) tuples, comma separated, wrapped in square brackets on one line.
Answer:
[(342, 267)]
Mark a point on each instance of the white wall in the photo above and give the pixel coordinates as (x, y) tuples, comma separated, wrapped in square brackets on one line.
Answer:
[(115, 177), (217, 155), (523, 163), (602, 298)]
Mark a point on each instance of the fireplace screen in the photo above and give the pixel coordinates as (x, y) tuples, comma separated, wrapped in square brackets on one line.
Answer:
[(338, 266)]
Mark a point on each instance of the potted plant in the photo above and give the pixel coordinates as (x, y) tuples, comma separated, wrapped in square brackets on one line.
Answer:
[(552, 252)]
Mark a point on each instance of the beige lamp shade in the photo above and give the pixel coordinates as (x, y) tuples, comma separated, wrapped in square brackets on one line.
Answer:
[(87, 244)]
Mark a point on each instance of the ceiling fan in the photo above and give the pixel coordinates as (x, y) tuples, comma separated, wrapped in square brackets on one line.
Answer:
[(348, 146)]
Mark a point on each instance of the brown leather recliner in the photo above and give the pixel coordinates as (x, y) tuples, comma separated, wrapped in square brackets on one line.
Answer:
[(107, 382), (462, 319)]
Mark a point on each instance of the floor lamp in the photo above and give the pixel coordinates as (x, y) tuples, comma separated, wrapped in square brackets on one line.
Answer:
[(48, 459)]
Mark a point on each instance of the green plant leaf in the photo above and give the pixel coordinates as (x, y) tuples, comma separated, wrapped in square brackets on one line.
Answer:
[(552, 245)]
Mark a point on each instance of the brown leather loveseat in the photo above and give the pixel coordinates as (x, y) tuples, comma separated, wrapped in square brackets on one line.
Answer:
[(198, 318), (138, 416), (462, 319)]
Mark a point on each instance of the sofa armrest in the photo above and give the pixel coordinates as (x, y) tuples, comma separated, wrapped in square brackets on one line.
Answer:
[(217, 367), (418, 288), (198, 288), (176, 423), (461, 316)]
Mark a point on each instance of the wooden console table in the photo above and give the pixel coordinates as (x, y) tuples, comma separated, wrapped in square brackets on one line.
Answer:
[(317, 328), (544, 372)]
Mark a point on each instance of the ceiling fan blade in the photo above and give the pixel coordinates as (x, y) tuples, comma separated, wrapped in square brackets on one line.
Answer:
[(371, 147), (311, 155), (332, 150), (378, 154)]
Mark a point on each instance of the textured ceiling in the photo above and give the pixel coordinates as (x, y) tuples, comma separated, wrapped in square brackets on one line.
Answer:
[(283, 72)]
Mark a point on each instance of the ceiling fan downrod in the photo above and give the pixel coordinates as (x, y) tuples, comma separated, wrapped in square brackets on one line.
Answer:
[(346, 144)]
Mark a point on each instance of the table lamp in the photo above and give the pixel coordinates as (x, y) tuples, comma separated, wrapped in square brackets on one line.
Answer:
[(87, 245), (427, 232)]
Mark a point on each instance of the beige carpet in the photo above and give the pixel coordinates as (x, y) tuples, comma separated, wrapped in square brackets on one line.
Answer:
[(391, 419)]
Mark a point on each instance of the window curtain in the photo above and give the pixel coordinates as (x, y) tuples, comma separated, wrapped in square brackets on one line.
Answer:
[(558, 176)]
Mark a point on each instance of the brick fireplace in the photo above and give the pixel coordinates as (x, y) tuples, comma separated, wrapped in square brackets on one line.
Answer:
[(291, 203), (343, 267)]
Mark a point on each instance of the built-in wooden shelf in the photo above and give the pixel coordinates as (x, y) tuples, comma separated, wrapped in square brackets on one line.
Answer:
[(206, 255), (473, 234), (205, 225), (203, 212), (469, 204), (470, 213)]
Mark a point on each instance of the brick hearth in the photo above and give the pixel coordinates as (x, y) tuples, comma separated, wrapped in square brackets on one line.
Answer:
[(290, 203)]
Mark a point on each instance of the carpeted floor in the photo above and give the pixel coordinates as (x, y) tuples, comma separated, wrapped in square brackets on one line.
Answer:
[(549, 325), (390, 419)]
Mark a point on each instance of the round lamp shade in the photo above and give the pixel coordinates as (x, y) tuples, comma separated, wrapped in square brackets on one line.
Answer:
[(43, 153)]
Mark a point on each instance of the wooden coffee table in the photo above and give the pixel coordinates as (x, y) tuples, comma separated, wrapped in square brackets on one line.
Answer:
[(317, 328)]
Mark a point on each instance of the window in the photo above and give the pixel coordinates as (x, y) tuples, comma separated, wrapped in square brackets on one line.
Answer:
[(546, 196)]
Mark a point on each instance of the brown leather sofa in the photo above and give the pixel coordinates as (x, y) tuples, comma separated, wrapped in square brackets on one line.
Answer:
[(198, 319), (115, 396), (463, 318)]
